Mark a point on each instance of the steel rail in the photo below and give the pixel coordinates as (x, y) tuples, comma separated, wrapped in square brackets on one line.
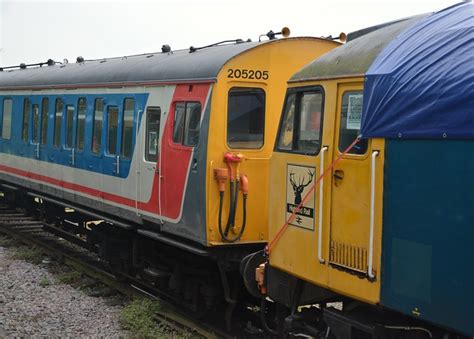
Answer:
[(11, 224)]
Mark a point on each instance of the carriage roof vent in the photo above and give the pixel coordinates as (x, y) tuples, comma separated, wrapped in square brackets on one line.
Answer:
[(165, 48)]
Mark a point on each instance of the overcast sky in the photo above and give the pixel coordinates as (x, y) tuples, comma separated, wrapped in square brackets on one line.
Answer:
[(34, 31)]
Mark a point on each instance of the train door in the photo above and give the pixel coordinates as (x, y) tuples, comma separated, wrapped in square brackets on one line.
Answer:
[(181, 135), (151, 172), (350, 214), (36, 128), (180, 138), (300, 157)]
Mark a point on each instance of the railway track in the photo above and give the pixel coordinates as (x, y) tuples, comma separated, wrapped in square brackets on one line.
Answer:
[(32, 231)]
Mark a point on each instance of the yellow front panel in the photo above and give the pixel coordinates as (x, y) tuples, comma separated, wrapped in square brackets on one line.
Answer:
[(279, 59), (345, 211)]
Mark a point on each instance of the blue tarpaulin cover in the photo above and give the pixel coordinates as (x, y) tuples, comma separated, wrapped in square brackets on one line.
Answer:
[(422, 83)]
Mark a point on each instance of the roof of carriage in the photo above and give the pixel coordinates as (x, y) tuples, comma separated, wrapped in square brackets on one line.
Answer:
[(421, 84), (355, 57), (180, 65)]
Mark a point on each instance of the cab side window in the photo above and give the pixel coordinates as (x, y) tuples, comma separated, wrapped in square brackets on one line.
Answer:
[(302, 121), (351, 114), (153, 115), (187, 123)]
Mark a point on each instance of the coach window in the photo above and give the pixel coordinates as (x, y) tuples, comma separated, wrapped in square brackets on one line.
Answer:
[(69, 126), (127, 128), (26, 119), (300, 128), (351, 113), (245, 118), (152, 133), (97, 127), (112, 126), (36, 122), (58, 117), (81, 123), (7, 118), (44, 120)]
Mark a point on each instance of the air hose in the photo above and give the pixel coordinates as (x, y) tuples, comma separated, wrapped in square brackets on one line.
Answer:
[(221, 176)]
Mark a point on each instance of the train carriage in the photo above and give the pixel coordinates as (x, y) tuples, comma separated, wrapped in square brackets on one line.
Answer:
[(371, 186), (135, 141)]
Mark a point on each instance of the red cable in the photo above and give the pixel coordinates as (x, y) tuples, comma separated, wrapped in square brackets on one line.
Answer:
[(280, 232)]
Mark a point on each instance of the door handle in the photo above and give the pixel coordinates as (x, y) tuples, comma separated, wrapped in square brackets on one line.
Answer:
[(338, 177), (194, 166)]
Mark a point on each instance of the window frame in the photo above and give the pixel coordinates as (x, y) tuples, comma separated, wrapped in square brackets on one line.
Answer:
[(146, 148), (3, 118), (38, 127), (122, 121), (264, 118), (26, 120), (99, 152), (298, 92), (44, 118), (181, 143), (107, 130), (364, 141), (71, 132), (55, 131), (80, 150)]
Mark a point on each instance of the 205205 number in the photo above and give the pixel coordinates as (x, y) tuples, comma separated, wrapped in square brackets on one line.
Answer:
[(247, 74)]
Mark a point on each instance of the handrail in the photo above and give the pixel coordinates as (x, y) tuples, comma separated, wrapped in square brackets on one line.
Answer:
[(372, 215), (321, 195)]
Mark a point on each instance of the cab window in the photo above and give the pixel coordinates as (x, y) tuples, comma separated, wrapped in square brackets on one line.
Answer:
[(301, 124), (187, 123), (351, 114), (245, 118)]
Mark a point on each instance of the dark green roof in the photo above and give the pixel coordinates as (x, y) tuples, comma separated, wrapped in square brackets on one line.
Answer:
[(354, 57)]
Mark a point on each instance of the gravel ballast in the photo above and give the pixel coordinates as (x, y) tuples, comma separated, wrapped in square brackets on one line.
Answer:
[(34, 303)]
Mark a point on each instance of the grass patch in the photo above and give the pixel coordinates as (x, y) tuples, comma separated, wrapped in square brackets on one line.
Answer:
[(44, 282), (6, 241), (139, 318), (69, 277), (30, 254)]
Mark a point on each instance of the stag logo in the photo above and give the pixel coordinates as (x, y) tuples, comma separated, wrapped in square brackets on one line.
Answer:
[(298, 188), (299, 177)]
